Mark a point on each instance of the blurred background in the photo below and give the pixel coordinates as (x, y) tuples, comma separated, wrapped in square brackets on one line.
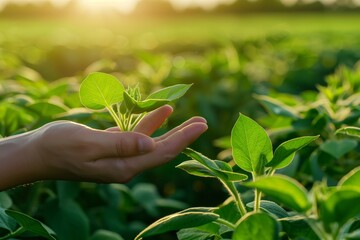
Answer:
[(233, 52)]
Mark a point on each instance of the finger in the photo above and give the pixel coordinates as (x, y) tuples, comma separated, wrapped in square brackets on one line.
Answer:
[(188, 122), (153, 120), (167, 149), (119, 144), (113, 129)]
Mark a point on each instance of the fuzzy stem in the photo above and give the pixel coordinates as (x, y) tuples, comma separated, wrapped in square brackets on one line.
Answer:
[(257, 197), (257, 200), (137, 120), (226, 223), (230, 187), (115, 117)]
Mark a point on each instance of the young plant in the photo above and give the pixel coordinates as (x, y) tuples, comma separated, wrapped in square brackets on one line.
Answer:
[(335, 105), (100, 90), (293, 211)]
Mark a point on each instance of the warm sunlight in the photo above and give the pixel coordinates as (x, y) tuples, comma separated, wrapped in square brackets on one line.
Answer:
[(99, 5), (123, 5)]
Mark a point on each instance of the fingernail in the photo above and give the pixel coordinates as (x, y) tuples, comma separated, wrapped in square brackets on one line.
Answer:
[(146, 145)]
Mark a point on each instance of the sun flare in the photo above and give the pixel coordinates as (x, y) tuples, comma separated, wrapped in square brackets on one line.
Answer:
[(100, 5)]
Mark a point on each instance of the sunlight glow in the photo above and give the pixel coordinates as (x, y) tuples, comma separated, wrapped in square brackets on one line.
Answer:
[(125, 6), (205, 4)]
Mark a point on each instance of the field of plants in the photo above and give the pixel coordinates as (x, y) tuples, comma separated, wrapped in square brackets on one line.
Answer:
[(281, 96)]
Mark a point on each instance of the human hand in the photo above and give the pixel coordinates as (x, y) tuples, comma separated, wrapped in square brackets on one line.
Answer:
[(70, 151)]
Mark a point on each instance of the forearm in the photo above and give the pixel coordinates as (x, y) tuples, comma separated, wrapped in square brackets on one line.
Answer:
[(18, 163)]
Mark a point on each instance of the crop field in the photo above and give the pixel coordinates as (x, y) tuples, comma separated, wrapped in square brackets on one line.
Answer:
[(281, 96)]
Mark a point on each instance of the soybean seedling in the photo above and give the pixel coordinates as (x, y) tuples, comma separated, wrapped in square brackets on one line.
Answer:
[(104, 91)]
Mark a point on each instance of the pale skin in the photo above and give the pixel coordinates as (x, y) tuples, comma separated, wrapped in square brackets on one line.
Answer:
[(65, 150)]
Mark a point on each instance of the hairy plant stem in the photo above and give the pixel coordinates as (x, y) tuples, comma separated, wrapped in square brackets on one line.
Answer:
[(257, 200), (137, 120), (230, 187), (226, 223), (127, 119), (272, 171), (257, 197), (116, 118)]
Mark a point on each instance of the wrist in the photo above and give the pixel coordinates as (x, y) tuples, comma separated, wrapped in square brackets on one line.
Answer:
[(18, 160)]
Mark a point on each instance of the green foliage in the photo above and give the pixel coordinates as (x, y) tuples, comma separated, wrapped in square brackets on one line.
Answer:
[(257, 226), (285, 153), (286, 72), (100, 90), (285, 190), (184, 219), (332, 113), (251, 145), (327, 216)]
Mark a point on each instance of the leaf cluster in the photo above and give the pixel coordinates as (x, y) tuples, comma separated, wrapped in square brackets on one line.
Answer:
[(100, 90), (291, 211)]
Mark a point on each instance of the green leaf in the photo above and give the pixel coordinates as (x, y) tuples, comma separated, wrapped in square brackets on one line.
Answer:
[(201, 159), (285, 153), (283, 189), (194, 234), (351, 131), (351, 179), (170, 93), (105, 235), (156, 99), (257, 226), (6, 222), (67, 190), (271, 207), (297, 227), (67, 219), (143, 106), (229, 211), (99, 90), (146, 195), (210, 168), (47, 109), (5, 200), (176, 221), (338, 148), (340, 206), (223, 142), (195, 168), (276, 107), (250, 143), (31, 225), (234, 176)]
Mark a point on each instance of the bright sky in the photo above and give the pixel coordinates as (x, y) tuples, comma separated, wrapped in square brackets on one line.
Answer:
[(122, 5), (129, 5)]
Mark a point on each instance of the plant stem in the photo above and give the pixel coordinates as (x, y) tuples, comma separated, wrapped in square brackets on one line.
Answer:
[(319, 231), (230, 187), (257, 197), (226, 223), (336, 233), (137, 120), (115, 117), (13, 234), (127, 120), (257, 200)]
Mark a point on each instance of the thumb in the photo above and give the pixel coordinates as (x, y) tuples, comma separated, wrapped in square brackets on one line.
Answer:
[(122, 144)]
